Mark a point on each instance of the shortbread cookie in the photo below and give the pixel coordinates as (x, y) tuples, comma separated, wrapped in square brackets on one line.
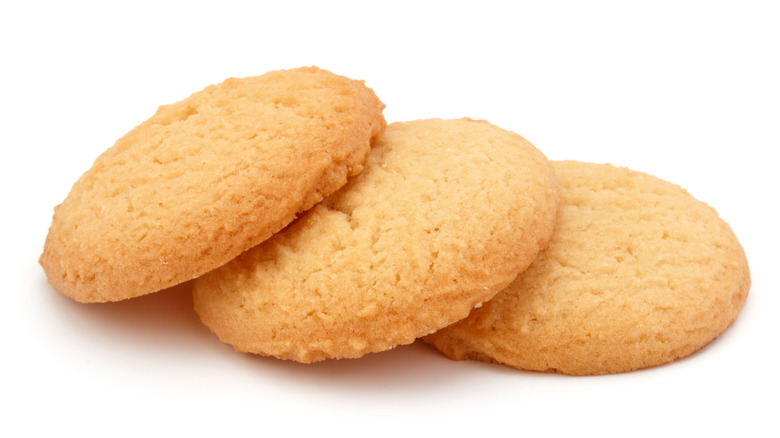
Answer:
[(638, 273), (445, 214), (207, 178)]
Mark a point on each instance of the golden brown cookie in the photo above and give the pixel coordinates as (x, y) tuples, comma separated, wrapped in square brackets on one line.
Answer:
[(638, 273), (445, 214), (207, 178)]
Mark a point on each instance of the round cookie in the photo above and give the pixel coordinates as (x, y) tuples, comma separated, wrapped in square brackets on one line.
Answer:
[(637, 273), (207, 178), (445, 214)]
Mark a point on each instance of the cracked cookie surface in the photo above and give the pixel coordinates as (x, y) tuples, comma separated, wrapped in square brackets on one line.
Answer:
[(445, 214)]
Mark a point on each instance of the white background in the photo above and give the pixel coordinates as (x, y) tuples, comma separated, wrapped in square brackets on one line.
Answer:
[(687, 91)]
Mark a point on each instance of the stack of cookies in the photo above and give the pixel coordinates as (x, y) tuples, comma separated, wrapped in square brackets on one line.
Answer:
[(312, 230)]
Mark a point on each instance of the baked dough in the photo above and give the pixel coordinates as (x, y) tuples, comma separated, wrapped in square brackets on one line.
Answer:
[(445, 214), (638, 273), (207, 178)]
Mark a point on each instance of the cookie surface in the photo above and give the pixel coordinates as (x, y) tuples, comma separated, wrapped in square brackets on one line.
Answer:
[(207, 178), (637, 273), (444, 215)]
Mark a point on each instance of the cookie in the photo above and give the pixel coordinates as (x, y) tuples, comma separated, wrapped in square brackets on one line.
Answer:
[(638, 273), (207, 178), (444, 215)]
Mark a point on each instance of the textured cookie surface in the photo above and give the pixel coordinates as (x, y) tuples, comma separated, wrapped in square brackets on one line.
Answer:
[(207, 178), (444, 215), (638, 273)]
